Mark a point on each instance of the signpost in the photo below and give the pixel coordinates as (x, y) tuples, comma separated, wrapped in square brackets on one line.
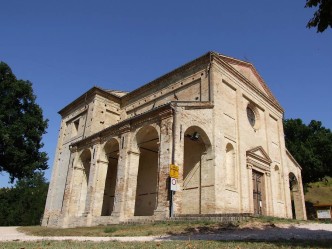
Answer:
[(174, 171), (174, 175), (174, 183)]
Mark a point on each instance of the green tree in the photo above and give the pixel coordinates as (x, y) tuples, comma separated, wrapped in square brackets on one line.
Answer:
[(23, 204), (21, 127), (311, 146), (322, 18)]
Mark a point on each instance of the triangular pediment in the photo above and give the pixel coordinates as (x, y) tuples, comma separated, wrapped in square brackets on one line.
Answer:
[(259, 154), (249, 72)]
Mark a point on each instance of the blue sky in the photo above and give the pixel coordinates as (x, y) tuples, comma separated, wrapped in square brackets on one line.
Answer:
[(66, 47)]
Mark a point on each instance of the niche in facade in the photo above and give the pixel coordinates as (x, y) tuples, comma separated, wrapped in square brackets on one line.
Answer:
[(198, 173)]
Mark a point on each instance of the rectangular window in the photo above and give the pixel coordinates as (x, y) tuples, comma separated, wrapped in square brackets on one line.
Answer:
[(75, 127)]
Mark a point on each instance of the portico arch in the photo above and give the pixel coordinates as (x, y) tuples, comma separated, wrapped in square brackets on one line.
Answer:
[(111, 151), (198, 173), (80, 182), (296, 197), (147, 140)]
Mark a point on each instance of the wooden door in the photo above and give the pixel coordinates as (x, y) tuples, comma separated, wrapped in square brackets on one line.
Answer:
[(257, 179)]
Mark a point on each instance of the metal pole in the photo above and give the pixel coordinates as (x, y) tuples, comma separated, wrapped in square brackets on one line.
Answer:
[(171, 212), (171, 208)]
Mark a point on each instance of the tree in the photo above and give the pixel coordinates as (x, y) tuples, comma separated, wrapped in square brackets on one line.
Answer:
[(21, 127), (24, 204), (311, 146), (322, 18)]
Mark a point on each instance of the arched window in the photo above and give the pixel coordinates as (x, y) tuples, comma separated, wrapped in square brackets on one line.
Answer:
[(230, 165)]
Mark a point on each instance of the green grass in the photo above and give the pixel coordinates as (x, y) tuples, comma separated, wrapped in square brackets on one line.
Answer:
[(158, 228), (164, 245), (320, 192)]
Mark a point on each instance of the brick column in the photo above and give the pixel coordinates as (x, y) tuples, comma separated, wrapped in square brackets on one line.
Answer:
[(165, 158), (66, 210), (125, 193)]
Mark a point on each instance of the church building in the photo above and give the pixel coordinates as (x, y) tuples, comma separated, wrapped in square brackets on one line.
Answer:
[(210, 130)]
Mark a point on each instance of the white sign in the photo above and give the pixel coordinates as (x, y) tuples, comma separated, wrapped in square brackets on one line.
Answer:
[(324, 214), (174, 184)]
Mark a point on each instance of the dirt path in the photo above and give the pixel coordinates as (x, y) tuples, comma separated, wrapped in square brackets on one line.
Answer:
[(311, 231)]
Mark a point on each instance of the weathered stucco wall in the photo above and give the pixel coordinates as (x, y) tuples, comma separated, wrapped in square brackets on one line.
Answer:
[(213, 117)]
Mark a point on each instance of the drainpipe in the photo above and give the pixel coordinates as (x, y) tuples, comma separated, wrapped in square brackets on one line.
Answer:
[(173, 106)]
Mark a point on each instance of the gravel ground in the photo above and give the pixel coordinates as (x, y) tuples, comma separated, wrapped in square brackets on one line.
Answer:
[(312, 231)]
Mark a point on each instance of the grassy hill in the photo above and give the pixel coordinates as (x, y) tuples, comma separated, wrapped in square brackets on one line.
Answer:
[(318, 193)]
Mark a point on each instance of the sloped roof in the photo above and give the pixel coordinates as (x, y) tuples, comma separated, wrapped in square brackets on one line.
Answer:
[(245, 71), (116, 92)]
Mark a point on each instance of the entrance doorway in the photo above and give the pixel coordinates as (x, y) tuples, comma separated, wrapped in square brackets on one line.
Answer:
[(257, 183)]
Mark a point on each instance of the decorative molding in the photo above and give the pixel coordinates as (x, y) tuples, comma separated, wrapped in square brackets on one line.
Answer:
[(133, 152), (96, 140), (265, 159), (258, 165), (124, 128), (100, 161)]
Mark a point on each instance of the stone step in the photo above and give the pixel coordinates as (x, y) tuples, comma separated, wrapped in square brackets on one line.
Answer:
[(223, 218)]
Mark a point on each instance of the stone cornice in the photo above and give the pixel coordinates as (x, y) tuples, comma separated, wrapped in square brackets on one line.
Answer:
[(87, 96), (126, 125), (293, 159), (158, 113), (166, 77), (254, 163)]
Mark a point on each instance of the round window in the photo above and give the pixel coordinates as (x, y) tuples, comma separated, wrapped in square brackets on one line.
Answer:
[(251, 116)]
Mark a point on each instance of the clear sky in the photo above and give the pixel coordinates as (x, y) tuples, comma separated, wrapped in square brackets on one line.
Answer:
[(66, 47)]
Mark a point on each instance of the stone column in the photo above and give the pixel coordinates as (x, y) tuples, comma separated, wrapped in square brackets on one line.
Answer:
[(67, 195), (92, 182), (124, 196), (178, 158), (268, 194), (250, 189), (165, 159), (101, 167)]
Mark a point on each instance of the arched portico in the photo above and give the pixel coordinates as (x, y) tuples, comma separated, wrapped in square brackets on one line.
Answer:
[(80, 183), (296, 197), (147, 139), (111, 150), (198, 173)]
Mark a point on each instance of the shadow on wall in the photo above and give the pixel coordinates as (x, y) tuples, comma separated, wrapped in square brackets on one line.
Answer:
[(311, 211)]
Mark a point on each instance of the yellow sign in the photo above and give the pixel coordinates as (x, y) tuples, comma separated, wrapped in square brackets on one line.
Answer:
[(174, 171)]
